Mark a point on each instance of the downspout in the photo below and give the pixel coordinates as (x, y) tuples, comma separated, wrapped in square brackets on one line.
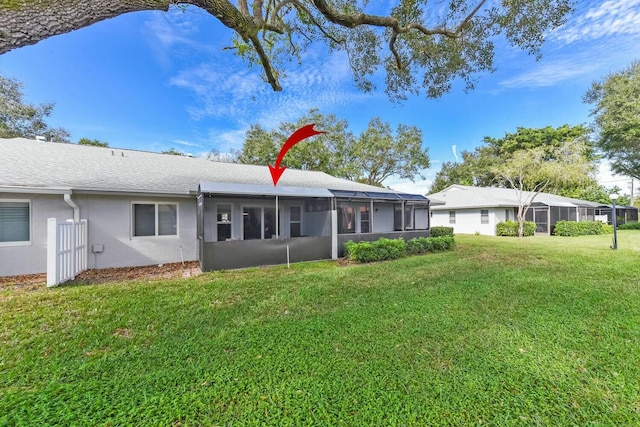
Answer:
[(334, 228), (371, 216), (277, 219), (76, 208)]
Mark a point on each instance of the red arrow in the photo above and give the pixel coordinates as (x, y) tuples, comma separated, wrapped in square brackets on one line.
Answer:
[(302, 133)]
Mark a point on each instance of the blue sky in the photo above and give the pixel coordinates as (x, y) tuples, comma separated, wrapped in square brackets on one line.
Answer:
[(153, 80)]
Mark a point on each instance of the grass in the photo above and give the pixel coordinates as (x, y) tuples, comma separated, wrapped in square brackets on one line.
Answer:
[(501, 331)]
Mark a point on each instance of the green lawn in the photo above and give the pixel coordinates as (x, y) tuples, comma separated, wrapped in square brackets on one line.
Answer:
[(500, 331)]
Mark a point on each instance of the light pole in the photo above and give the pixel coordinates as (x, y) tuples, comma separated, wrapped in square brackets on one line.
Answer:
[(613, 198)]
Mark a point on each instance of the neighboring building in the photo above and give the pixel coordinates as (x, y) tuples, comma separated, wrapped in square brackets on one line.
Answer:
[(471, 210), (147, 208)]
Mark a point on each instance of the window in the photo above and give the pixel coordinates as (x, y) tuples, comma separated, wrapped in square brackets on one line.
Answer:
[(508, 215), (155, 219), (14, 222), (258, 223), (295, 221), (346, 219), (484, 216), (452, 217), (365, 221), (223, 221)]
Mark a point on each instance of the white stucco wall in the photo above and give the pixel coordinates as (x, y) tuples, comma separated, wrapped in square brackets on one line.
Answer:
[(109, 224), (31, 257), (469, 221), (382, 217)]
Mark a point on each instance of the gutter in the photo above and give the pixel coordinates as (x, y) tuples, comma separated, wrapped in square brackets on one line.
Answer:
[(76, 208), (33, 190)]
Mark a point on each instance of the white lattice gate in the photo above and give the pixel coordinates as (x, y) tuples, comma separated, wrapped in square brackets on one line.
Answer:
[(66, 250)]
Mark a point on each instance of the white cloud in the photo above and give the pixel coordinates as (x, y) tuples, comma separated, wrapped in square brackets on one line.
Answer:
[(551, 73), (225, 141), (605, 176), (220, 91), (610, 18), (599, 39), (420, 186), (234, 92), (168, 31), (174, 33), (186, 143)]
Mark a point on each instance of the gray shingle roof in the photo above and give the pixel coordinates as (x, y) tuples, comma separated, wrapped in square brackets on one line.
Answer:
[(29, 163), (468, 197)]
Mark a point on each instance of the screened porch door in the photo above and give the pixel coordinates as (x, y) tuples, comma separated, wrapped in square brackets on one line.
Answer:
[(541, 218)]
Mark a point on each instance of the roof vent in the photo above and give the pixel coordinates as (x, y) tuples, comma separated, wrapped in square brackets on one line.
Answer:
[(41, 138)]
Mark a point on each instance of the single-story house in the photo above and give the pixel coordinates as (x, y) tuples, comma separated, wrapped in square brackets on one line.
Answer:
[(471, 210), (144, 208)]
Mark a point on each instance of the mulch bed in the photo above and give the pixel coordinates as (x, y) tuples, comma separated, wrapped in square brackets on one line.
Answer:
[(162, 271)]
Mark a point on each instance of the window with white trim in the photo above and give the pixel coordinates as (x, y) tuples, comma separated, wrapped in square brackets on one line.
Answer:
[(15, 224), (452, 217), (155, 219), (484, 216), (365, 219), (223, 221)]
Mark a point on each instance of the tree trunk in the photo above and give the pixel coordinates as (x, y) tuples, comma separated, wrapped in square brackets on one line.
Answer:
[(25, 22), (521, 217)]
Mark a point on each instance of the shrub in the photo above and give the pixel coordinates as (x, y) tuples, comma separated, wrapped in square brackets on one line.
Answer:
[(416, 245), (629, 226), (510, 228), (441, 231), (421, 245), (379, 250), (361, 251), (442, 243), (607, 229), (391, 248), (384, 249), (583, 228)]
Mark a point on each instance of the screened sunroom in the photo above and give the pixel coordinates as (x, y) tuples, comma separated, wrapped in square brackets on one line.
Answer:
[(547, 214), (244, 225), (372, 215)]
